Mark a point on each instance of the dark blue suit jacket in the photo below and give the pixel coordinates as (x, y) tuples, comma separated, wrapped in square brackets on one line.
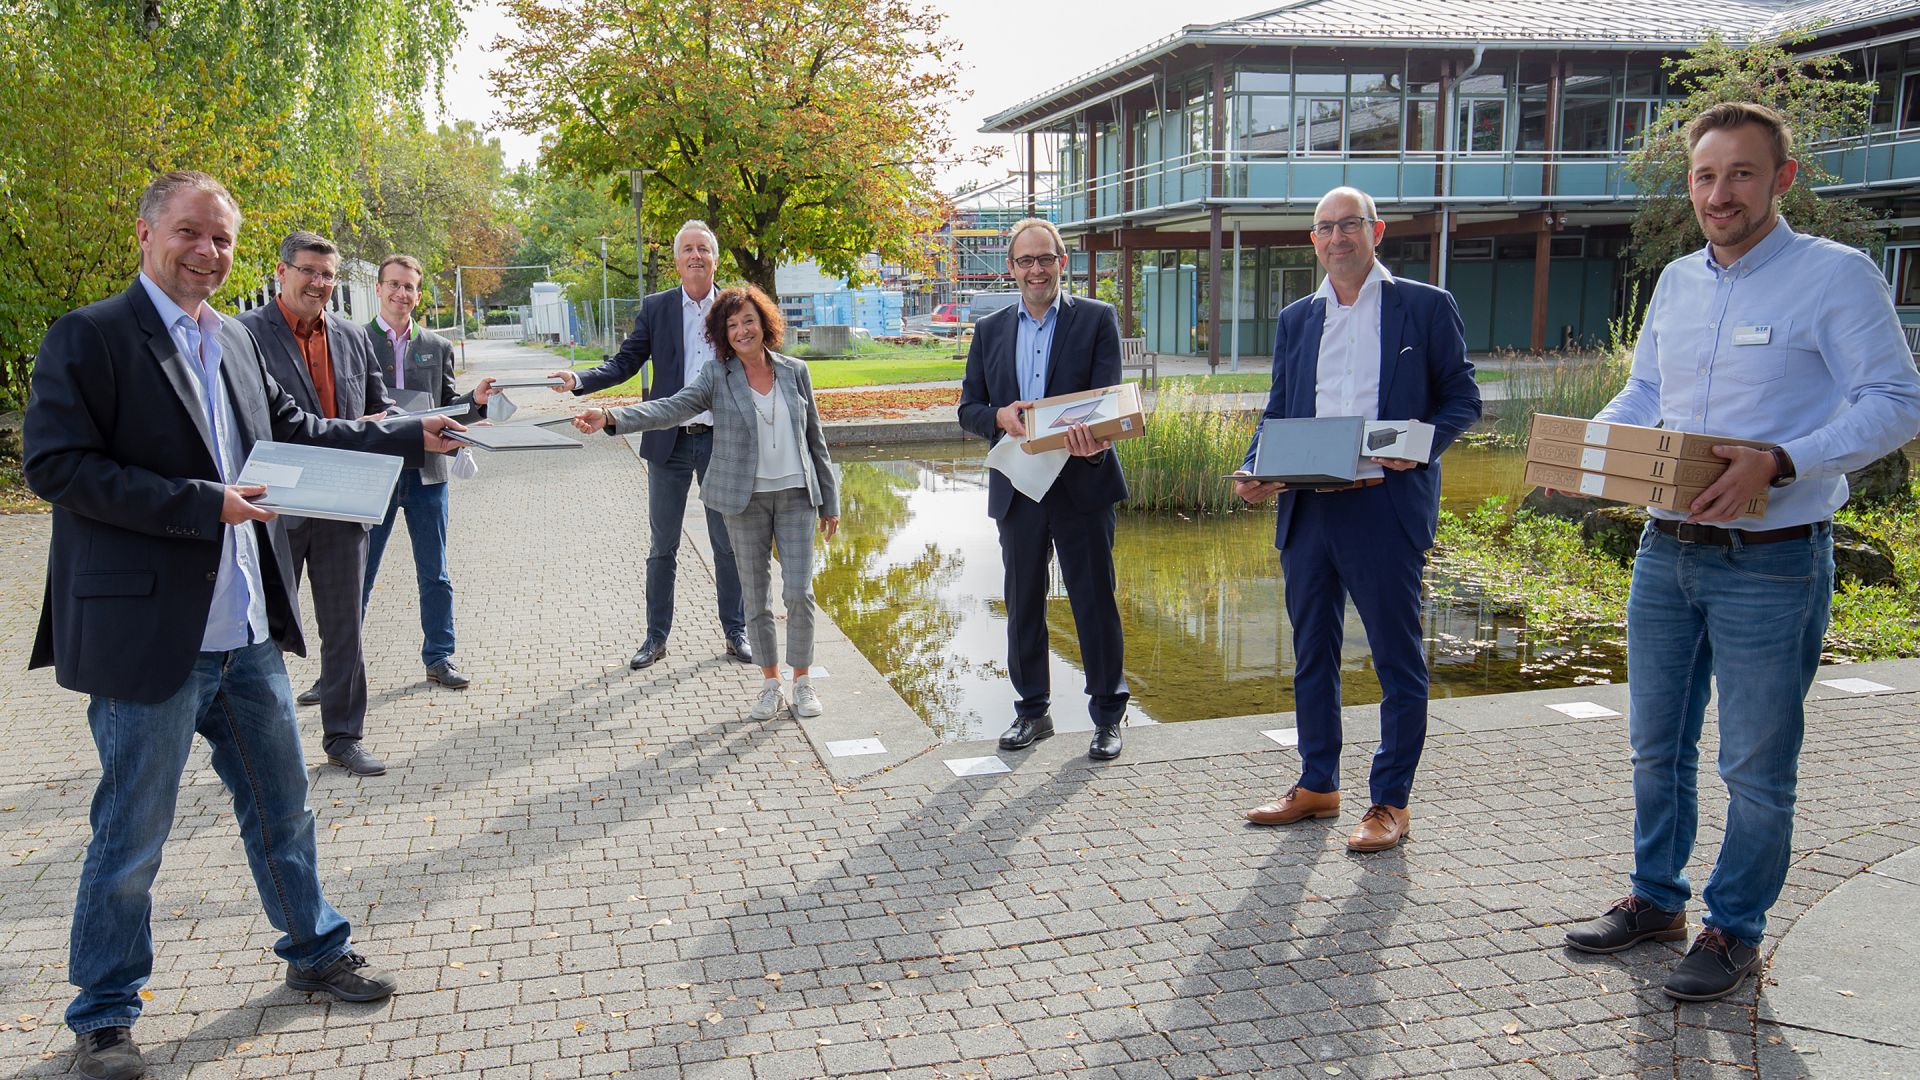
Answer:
[(1085, 356), (1424, 375), (117, 439), (657, 336)]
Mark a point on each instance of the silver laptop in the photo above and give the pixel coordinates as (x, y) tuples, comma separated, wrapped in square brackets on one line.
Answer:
[(513, 437), (420, 403), (1321, 451), (321, 482), (519, 382)]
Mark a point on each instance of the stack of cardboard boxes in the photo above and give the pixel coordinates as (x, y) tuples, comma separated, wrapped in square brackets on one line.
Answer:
[(1628, 463)]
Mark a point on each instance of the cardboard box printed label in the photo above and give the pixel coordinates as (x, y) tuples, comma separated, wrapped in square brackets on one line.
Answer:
[(1680, 472), (1111, 413), (1634, 438), (1626, 489)]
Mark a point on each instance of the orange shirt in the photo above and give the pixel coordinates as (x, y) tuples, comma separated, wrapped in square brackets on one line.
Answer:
[(312, 340)]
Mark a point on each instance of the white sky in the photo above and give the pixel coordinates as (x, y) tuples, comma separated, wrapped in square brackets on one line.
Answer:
[(1080, 35)]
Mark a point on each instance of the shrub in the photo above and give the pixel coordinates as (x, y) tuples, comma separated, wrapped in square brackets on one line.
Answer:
[(1189, 445)]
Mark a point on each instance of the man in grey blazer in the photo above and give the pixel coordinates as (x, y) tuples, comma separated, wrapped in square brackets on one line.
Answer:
[(412, 357), (324, 361)]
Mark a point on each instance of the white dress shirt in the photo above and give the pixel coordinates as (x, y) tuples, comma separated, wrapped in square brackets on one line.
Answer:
[(1347, 377), (696, 350), (780, 466)]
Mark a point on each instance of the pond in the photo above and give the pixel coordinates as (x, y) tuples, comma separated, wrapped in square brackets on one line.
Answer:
[(915, 582)]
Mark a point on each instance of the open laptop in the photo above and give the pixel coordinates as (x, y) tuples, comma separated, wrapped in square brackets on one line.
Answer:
[(1321, 451), (321, 482), (513, 437)]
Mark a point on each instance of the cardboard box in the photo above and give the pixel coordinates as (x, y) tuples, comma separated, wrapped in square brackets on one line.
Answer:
[(1633, 438), (1110, 412), (1680, 472), (1625, 489), (1407, 440)]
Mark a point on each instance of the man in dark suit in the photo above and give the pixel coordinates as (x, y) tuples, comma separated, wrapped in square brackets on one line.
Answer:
[(1372, 345), (169, 597), (411, 357), (671, 332), (324, 362), (1049, 344)]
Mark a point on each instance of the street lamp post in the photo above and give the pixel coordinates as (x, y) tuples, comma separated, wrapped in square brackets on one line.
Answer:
[(606, 308), (637, 181)]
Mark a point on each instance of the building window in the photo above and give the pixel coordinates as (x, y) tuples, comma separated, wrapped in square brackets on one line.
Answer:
[(1910, 103), (1906, 275), (1483, 125), (1265, 120), (1197, 136), (1373, 114), (1422, 133), (1583, 125), (1635, 117), (1324, 124), (1473, 250)]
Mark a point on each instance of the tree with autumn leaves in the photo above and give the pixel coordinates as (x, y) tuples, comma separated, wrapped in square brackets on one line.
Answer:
[(795, 129)]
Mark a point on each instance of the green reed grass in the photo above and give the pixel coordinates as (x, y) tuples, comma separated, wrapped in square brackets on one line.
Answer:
[(1192, 441)]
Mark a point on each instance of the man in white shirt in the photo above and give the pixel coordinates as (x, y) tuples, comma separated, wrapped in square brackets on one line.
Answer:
[(1372, 345), (671, 332)]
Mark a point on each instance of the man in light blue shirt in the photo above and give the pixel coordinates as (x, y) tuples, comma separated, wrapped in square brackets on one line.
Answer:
[(1778, 337)]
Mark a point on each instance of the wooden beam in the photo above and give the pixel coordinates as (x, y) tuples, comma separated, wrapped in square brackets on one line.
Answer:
[(1542, 276), (1214, 282)]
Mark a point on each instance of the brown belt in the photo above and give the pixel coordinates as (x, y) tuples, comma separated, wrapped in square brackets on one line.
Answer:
[(1690, 532), (1371, 481)]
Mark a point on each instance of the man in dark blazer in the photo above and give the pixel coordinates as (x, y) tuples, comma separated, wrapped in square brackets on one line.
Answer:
[(1049, 344), (1366, 344), (670, 331), (409, 356), (324, 362), (169, 597)]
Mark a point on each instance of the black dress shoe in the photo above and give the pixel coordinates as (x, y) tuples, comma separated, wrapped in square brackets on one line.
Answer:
[(1713, 968), (448, 676), (1106, 743), (309, 696), (649, 655), (354, 758), (349, 978), (1026, 731), (108, 1054), (738, 648), (1626, 924)]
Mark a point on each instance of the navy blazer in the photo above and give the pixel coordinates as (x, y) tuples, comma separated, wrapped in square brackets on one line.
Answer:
[(1085, 356), (116, 438), (1424, 375), (658, 335)]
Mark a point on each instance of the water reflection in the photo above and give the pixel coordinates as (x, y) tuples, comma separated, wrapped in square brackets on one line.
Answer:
[(916, 585)]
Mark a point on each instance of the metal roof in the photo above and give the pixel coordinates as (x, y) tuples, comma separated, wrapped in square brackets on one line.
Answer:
[(1657, 25)]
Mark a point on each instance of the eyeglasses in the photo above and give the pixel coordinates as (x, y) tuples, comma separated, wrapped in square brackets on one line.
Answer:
[(1044, 262), (400, 286), (1347, 226), (318, 277)]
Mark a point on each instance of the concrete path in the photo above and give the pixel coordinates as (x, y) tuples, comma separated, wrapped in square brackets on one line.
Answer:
[(579, 870)]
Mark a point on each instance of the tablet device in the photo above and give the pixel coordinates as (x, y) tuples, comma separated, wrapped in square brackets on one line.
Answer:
[(526, 381), (321, 482), (512, 437)]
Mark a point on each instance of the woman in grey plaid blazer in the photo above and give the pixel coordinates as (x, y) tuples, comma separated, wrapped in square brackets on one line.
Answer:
[(770, 475)]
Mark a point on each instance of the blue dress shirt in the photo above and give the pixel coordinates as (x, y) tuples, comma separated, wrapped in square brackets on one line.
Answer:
[(1796, 343), (238, 616), (1032, 344)]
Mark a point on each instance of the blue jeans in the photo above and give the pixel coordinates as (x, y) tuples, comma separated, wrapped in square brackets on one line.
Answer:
[(667, 484), (241, 704), (426, 507), (1750, 619)]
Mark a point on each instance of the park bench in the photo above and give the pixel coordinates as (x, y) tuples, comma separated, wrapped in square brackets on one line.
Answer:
[(1134, 356)]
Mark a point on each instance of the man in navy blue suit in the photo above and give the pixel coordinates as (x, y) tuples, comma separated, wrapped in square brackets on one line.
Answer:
[(1372, 345), (1049, 344), (671, 331)]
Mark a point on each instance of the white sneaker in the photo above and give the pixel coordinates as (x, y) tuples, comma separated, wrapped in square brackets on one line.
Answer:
[(806, 702), (767, 704)]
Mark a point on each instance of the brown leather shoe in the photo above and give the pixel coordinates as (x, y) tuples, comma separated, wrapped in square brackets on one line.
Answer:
[(1296, 804), (1380, 828)]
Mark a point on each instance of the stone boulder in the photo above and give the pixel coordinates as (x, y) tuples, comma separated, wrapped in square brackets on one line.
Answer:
[(1614, 530), (1883, 481), (1862, 558), (1561, 505)]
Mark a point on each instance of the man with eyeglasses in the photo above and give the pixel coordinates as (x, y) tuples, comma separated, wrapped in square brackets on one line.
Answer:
[(413, 357), (670, 333), (1372, 345), (1050, 344), (324, 361)]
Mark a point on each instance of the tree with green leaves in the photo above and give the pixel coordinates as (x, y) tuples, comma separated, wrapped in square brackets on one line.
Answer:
[(1820, 100), (273, 98), (794, 129)]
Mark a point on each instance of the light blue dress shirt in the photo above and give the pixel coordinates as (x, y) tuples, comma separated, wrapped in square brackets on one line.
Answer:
[(238, 616), (1796, 343), (1032, 343)]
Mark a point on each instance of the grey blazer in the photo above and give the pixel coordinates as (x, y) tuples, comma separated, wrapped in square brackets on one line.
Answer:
[(722, 388), (429, 368)]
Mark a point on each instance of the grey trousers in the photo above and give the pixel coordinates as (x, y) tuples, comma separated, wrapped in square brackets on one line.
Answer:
[(333, 556), (783, 519)]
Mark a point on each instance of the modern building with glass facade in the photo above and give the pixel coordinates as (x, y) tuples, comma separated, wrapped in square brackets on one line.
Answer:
[(1491, 133)]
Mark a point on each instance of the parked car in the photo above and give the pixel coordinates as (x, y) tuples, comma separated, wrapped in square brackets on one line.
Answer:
[(986, 303), (947, 313)]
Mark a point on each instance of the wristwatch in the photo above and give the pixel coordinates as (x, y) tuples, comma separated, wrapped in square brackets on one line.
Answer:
[(1783, 467)]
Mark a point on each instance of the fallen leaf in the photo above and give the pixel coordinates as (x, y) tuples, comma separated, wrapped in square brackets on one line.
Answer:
[(579, 1025), (714, 1018), (1844, 993), (1512, 1028), (456, 963), (243, 1047)]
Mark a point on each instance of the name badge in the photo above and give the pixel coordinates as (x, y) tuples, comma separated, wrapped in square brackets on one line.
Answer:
[(1752, 335)]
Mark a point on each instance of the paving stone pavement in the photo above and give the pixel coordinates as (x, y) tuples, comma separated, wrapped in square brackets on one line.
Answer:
[(582, 871)]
